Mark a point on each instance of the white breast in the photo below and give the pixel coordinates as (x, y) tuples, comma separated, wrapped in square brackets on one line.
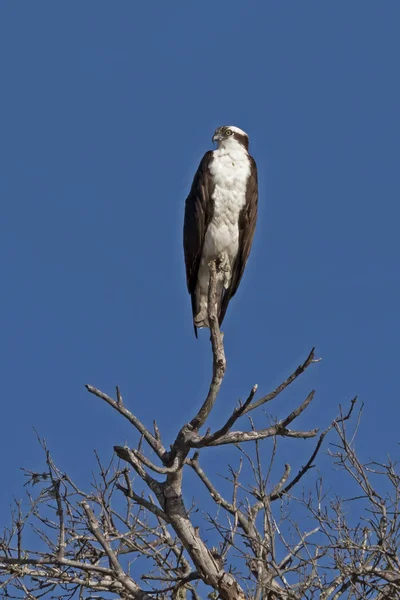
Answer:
[(230, 169)]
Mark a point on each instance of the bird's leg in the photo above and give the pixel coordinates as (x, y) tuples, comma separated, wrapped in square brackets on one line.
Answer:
[(224, 269)]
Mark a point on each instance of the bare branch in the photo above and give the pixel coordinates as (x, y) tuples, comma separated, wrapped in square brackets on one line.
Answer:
[(219, 360), (154, 443), (124, 452), (272, 395), (277, 493), (126, 582), (280, 429), (237, 413), (260, 545)]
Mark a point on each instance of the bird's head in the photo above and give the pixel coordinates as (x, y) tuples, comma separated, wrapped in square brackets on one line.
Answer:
[(230, 134)]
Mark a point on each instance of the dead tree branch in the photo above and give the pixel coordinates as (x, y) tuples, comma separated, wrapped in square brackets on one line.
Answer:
[(248, 538)]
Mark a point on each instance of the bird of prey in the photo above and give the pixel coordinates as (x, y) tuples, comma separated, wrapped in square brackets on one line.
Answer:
[(220, 219)]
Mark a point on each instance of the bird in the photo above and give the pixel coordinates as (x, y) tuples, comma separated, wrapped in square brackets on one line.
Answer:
[(220, 220)]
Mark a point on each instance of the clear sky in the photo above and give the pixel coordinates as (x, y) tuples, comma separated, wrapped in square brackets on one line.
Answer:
[(107, 109)]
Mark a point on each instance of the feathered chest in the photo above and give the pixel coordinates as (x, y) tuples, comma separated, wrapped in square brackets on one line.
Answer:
[(230, 171)]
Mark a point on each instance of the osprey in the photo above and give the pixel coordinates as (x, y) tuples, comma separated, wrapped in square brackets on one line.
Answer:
[(220, 219)]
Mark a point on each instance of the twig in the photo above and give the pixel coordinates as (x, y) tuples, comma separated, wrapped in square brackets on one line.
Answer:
[(130, 457), (272, 395), (126, 581), (277, 493), (237, 413), (280, 428), (123, 451), (119, 407)]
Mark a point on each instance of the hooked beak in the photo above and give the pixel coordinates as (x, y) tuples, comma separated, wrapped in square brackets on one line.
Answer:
[(216, 138)]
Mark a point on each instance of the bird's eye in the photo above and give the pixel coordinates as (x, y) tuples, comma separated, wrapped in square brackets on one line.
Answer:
[(228, 132)]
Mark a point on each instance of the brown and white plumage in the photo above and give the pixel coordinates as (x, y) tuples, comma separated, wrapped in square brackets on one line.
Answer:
[(220, 219)]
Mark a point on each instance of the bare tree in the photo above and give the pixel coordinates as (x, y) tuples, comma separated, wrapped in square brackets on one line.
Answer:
[(257, 534)]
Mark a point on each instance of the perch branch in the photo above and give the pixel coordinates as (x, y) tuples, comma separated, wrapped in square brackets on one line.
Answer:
[(219, 360)]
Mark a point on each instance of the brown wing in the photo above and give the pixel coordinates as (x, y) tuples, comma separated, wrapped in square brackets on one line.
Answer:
[(198, 214), (247, 225)]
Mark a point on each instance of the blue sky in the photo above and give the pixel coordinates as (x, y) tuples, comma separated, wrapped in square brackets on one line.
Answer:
[(107, 109)]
